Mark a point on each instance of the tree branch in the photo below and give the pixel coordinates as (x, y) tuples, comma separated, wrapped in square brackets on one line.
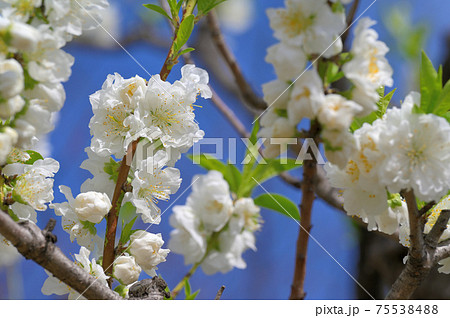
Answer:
[(32, 243), (219, 293), (248, 94), (422, 254), (350, 17), (308, 196), (438, 229)]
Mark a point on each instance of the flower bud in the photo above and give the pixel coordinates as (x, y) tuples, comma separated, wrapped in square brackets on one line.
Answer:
[(146, 248), (92, 206), (126, 271)]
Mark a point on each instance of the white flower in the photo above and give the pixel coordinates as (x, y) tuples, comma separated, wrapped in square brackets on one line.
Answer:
[(74, 16), (101, 181), (306, 98), (11, 78), (274, 126), (20, 36), (126, 271), (236, 15), (276, 94), (310, 24), (168, 112), (210, 199), (152, 183), (34, 184), (116, 121), (288, 61), (8, 138), (336, 113), (195, 81), (231, 246), (186, 238), (417, 148), (146, 249), (339, 146), (53, 285), (92, 206), (369, 68), (83, 232), (246, 210), (50, 96), (11, 106)]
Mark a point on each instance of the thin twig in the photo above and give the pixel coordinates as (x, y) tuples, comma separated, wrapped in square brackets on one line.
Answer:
[(248, 94), (219, 293), (31, 242)]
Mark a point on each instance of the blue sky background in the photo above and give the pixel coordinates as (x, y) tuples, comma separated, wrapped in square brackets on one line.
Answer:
[(269, 270)]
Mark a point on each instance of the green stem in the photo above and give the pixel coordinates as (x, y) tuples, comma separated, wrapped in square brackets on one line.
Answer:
[(172, 56)]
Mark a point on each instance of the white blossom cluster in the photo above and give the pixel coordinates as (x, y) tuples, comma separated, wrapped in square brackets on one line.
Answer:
[(159, 117), (309, 30), (212, 229), (391, 155)]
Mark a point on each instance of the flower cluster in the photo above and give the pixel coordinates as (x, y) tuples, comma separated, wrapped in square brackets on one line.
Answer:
[(391, 156), (310, 30), (211, 229), (32, 69)]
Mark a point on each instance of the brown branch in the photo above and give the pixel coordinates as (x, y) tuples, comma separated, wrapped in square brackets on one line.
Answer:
[(420, 255), (438, 229), (350, 18), (308, 196), (248, 94), (229, 115), (113, 215), (219, 293), (38, 246)]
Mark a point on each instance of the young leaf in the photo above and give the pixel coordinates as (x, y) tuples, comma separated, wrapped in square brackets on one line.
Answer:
[(157, 9), (34, 156), (192, 296), (443, 104), (382, 104), (278, 203), (184, 32), (187, 287), (189, 49), (264, 172), (233, 177), (127, 231), (430, 85), (204, 6)]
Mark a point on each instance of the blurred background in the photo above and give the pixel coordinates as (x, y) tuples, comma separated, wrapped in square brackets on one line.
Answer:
[(374, 260)]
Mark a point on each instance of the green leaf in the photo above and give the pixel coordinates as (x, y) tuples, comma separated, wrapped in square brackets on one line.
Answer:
[(332, 73), (122, 290), (173, 7), (382, 104), (187, 287), (126, 231), (184, 32), (204, 6), (430, 85), (192, 296), (89, 226), (34, 156), (209, 162), (230, 173), (158, 9), (264, 172), (189, 49), (443, 104), (278, 203)]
